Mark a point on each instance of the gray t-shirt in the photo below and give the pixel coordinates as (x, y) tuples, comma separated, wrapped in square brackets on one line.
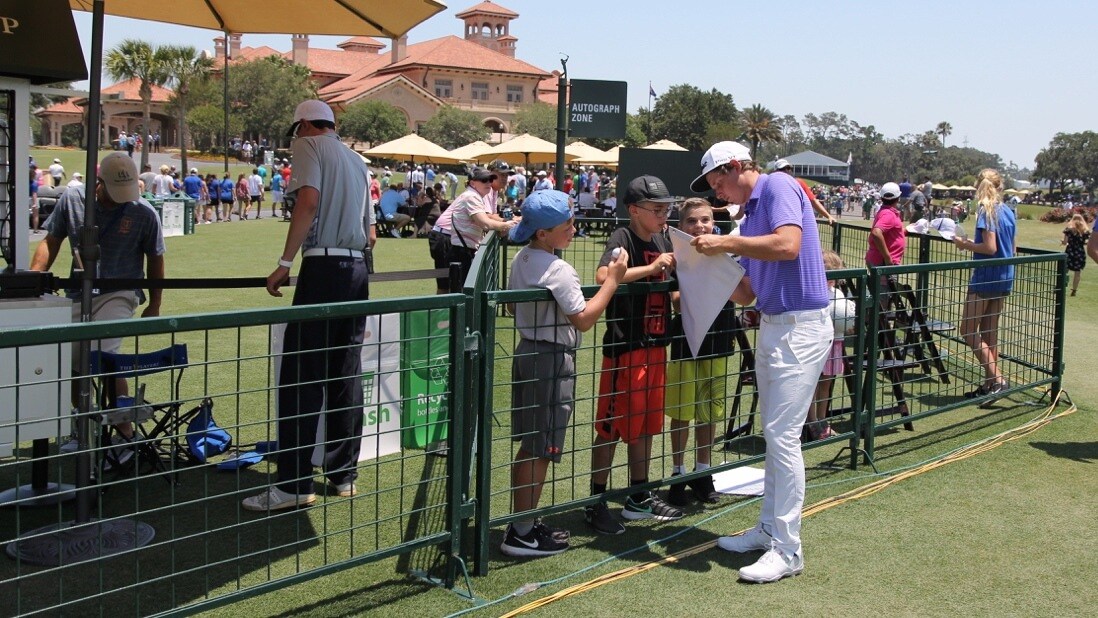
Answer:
[(546, 320), (326, 164), (127, 234)]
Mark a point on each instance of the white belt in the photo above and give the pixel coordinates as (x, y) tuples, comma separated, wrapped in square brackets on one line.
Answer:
[(793, 317), (440, 230), (331, 252)]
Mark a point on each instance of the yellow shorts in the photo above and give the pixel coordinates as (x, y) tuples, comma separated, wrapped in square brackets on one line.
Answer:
[(697, 389)]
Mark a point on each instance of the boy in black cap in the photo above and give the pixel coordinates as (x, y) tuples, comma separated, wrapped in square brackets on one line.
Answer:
[(631, 387)]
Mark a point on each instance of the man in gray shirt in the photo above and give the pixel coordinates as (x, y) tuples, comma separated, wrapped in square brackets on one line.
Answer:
[(321, 364)]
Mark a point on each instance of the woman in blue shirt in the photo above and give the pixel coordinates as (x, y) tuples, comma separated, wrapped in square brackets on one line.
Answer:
[(989, 285)]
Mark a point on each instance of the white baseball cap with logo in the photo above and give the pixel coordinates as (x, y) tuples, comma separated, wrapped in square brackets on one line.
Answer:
[(119, 175), (718, 154)]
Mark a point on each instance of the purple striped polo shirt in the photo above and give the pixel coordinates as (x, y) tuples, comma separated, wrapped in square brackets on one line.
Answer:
[(788, 285)]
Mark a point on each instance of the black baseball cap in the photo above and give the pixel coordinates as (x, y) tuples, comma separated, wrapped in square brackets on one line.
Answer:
[(481, 174), (647, 189)]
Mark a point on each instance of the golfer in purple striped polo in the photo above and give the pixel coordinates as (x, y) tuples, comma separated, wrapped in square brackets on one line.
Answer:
[(780, 249)]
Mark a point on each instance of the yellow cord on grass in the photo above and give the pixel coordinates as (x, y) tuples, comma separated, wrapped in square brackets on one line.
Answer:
[(960, 454)]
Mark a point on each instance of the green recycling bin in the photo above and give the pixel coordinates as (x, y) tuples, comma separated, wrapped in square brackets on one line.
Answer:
[(177, 215), (424, 377)]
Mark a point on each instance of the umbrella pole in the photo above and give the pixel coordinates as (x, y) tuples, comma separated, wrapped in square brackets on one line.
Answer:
[(225, 106), (85, 538)]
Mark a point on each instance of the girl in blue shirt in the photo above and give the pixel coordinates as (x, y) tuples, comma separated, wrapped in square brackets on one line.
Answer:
[(989, 285)]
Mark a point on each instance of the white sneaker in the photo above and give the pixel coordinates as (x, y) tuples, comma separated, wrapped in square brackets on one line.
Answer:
[(773, 565), (118, 455), (754, 539), (274, 499), (394, 233)]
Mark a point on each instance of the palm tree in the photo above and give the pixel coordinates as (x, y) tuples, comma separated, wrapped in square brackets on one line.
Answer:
[(760, 126), (945, 130), (133, 59), (184, 66)]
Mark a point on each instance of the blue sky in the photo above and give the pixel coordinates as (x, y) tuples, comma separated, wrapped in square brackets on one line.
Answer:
[(1007, 75)]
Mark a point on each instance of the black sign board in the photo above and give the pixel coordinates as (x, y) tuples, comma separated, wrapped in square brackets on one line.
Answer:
[(597, 108), (38, 41)]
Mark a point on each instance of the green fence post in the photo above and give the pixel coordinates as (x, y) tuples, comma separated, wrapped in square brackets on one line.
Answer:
[(1061, 322), (455, 463), (873, 281), (484, 432), (857, 402)]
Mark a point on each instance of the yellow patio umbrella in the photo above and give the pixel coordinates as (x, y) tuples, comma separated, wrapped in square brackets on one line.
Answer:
[(469, 152), (939, 187), (385, 18), (608, 159), (524, 149), (664, 144), (585, 151), (412, 148)]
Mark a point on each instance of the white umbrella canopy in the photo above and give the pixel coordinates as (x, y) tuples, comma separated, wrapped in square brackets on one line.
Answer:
[(469, 152), (524, 150), (664, 144), (412, 148), (385, 18)]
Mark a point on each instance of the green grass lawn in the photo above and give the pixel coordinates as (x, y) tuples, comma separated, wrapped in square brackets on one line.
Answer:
[(1009, 532)]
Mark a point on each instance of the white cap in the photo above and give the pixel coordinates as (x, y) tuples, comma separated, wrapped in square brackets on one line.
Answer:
[(313, 109), (947, 227), (77, 175), (57, 160), (890, 191), (542, 173), (781, 164), (922, 226), (119, 174), (718, 154), (194, 170)]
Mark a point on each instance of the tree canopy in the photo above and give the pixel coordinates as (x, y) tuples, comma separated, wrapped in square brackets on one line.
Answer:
[(1070, 157), (538, 119), (451, 127), (685, 114), (263, 94), (375, 122)]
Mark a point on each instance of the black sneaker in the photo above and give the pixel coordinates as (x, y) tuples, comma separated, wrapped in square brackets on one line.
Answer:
[(704, 490), (533, 545), (559, 534), (676, 494), (652, 507), (997, 389), (600, 518)]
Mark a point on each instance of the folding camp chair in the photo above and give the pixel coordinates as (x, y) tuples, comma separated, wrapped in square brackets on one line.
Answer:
[(160, 430)]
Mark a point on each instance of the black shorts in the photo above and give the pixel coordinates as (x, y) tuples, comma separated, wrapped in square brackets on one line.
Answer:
[(439, 245)]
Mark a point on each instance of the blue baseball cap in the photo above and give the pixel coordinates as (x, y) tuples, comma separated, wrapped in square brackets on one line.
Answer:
[(541, 211)]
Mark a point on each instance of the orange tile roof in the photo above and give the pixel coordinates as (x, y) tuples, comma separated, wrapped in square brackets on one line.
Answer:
[(487, 7), (252, 53), (336, 61), (364, 41), (364, 86), (68, 106), (457, 53), (129, 91)]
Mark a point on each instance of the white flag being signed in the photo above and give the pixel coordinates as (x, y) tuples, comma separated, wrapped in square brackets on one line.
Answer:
[(705, 284)]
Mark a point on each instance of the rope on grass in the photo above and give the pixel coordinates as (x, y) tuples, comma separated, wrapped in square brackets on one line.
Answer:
[(962, 453)]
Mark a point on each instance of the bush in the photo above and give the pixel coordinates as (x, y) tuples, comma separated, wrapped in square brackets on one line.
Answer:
[(1062, 215)]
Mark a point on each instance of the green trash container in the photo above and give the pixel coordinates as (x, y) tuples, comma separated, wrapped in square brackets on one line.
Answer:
[(158, 205), (181, 215), (424, 377)]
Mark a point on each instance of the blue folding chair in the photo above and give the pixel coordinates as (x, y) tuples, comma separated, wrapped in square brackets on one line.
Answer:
[(160, 430)]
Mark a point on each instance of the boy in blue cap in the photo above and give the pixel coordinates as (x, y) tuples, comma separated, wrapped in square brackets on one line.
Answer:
[(544, 365)]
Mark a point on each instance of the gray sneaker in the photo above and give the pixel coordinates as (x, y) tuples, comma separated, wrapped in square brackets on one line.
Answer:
[(69, 445)]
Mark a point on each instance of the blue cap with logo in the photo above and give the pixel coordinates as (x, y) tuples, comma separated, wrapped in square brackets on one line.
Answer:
[(540, 211)]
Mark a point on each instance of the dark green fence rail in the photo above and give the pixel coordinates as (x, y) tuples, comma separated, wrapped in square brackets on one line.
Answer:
[(448, 359)]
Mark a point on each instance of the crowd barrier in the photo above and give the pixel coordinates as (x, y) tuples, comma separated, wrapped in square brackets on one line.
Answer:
[(436, 375)]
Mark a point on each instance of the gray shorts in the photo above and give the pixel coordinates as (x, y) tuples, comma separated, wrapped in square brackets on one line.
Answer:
[(117, 305), (542, 396)]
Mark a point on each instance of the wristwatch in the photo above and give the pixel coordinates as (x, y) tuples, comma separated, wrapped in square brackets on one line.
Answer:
[(285, 263)]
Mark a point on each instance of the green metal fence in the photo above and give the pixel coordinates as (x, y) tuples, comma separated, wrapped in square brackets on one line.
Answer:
[(437, 369), (206, 550)]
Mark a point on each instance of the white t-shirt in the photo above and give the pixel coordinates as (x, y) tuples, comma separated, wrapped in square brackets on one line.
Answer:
[(56, 170), (545, 320), (463, 227), (162, 185), (255, 185)]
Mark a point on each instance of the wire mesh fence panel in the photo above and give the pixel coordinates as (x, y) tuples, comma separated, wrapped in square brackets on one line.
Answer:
[(187, 426)]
